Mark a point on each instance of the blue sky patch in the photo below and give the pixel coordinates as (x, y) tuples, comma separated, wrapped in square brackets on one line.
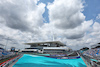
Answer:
[(46, 15)]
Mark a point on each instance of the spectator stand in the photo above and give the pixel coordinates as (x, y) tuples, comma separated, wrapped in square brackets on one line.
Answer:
[(92, 57)]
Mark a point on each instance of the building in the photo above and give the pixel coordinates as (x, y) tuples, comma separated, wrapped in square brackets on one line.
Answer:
[(47, 47)]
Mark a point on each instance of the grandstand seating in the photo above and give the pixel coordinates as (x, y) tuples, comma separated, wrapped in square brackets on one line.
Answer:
[(92, 52), (5, 54)]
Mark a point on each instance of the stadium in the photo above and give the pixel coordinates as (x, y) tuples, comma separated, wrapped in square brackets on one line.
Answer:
[(49, 33), (53, 50)]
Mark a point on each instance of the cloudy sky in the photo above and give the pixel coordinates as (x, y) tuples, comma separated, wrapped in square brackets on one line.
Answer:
[(73, 22)]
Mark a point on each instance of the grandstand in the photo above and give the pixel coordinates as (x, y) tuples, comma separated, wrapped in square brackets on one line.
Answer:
[(92, 56), (7, 57), (47, 47), (5, 54), (94, 53)]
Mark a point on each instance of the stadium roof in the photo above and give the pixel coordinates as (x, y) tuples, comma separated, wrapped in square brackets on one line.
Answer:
[(95, 45), (58, 42)]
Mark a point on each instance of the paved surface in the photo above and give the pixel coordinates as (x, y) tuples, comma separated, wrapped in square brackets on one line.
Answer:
[(85, 62), (11, 65)]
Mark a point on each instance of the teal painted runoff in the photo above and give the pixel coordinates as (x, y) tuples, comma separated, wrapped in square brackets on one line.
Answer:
[(41, 61)]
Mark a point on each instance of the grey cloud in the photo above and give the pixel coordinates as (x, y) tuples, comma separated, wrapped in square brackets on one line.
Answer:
[(1, 36), (17, 23), (12, 15), (68, 21), (75, 36), (9, 41), (15, 14), (4, 37), (66, 15)]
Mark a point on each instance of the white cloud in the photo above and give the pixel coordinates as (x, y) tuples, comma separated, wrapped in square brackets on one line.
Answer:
[(23, 15), (67, 23), (98, 17), (66, 14), (18, 17), (71, 37)]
